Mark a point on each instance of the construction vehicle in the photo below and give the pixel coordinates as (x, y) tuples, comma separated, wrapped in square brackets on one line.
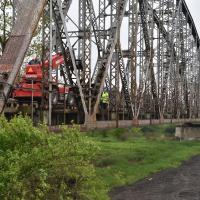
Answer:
[(30, 94)]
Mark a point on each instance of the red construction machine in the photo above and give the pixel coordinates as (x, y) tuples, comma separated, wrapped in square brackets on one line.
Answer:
[(30, 94), (32, 83)]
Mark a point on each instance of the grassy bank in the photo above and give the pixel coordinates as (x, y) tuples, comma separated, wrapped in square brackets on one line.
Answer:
[(38, 164), (128, 155)]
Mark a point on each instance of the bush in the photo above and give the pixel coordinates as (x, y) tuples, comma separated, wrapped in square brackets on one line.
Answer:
[(38, 165), (122, 134), (136, 131), (170, 130), (148, 129), (165, 128), (106, 133)]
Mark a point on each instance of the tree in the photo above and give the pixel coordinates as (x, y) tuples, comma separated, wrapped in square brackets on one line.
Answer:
[(6, 24), (6, 21)]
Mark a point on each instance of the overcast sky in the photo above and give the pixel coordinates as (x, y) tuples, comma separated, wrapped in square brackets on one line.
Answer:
[(194, 6)]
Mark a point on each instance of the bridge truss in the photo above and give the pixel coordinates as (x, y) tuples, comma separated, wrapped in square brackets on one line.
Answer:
[(144, 53)]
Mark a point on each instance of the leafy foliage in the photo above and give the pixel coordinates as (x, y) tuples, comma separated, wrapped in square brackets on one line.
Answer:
[(159, 131), (5, 22), (36, 164)]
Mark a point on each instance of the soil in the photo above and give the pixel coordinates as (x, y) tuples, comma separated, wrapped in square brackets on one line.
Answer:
[(182, 183)]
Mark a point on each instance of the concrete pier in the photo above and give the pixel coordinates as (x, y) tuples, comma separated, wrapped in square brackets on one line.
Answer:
[(188, 131)]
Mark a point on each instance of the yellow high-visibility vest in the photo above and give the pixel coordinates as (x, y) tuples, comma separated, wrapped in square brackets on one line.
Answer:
[(105, 97)]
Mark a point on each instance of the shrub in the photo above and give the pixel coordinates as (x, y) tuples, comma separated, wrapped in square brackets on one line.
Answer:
[(36, 164), (170, 130), (106, 133), (136, 131), (148, 129), (122, 134)]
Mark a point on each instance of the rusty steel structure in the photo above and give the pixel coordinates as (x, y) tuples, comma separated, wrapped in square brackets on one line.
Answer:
[(144, 53)]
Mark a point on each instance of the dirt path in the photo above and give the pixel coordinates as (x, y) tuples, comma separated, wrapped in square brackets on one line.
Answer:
[(174, 184)]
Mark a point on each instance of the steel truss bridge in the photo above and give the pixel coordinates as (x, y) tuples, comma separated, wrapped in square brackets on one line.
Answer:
[(145, 53)]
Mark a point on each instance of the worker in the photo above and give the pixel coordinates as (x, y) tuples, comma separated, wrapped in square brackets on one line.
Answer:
[(34, 60), (104, 103), (105, 98)]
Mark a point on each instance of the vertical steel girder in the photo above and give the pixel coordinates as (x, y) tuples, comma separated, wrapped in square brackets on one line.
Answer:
[(132, 46), (113, 77), (85, 25), (182, 66), (45, 52), (82, 97), (149, 54), (166, 52), (125, 88), (66, 69)]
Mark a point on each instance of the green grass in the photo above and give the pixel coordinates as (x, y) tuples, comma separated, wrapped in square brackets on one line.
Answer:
[(142, 152)]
